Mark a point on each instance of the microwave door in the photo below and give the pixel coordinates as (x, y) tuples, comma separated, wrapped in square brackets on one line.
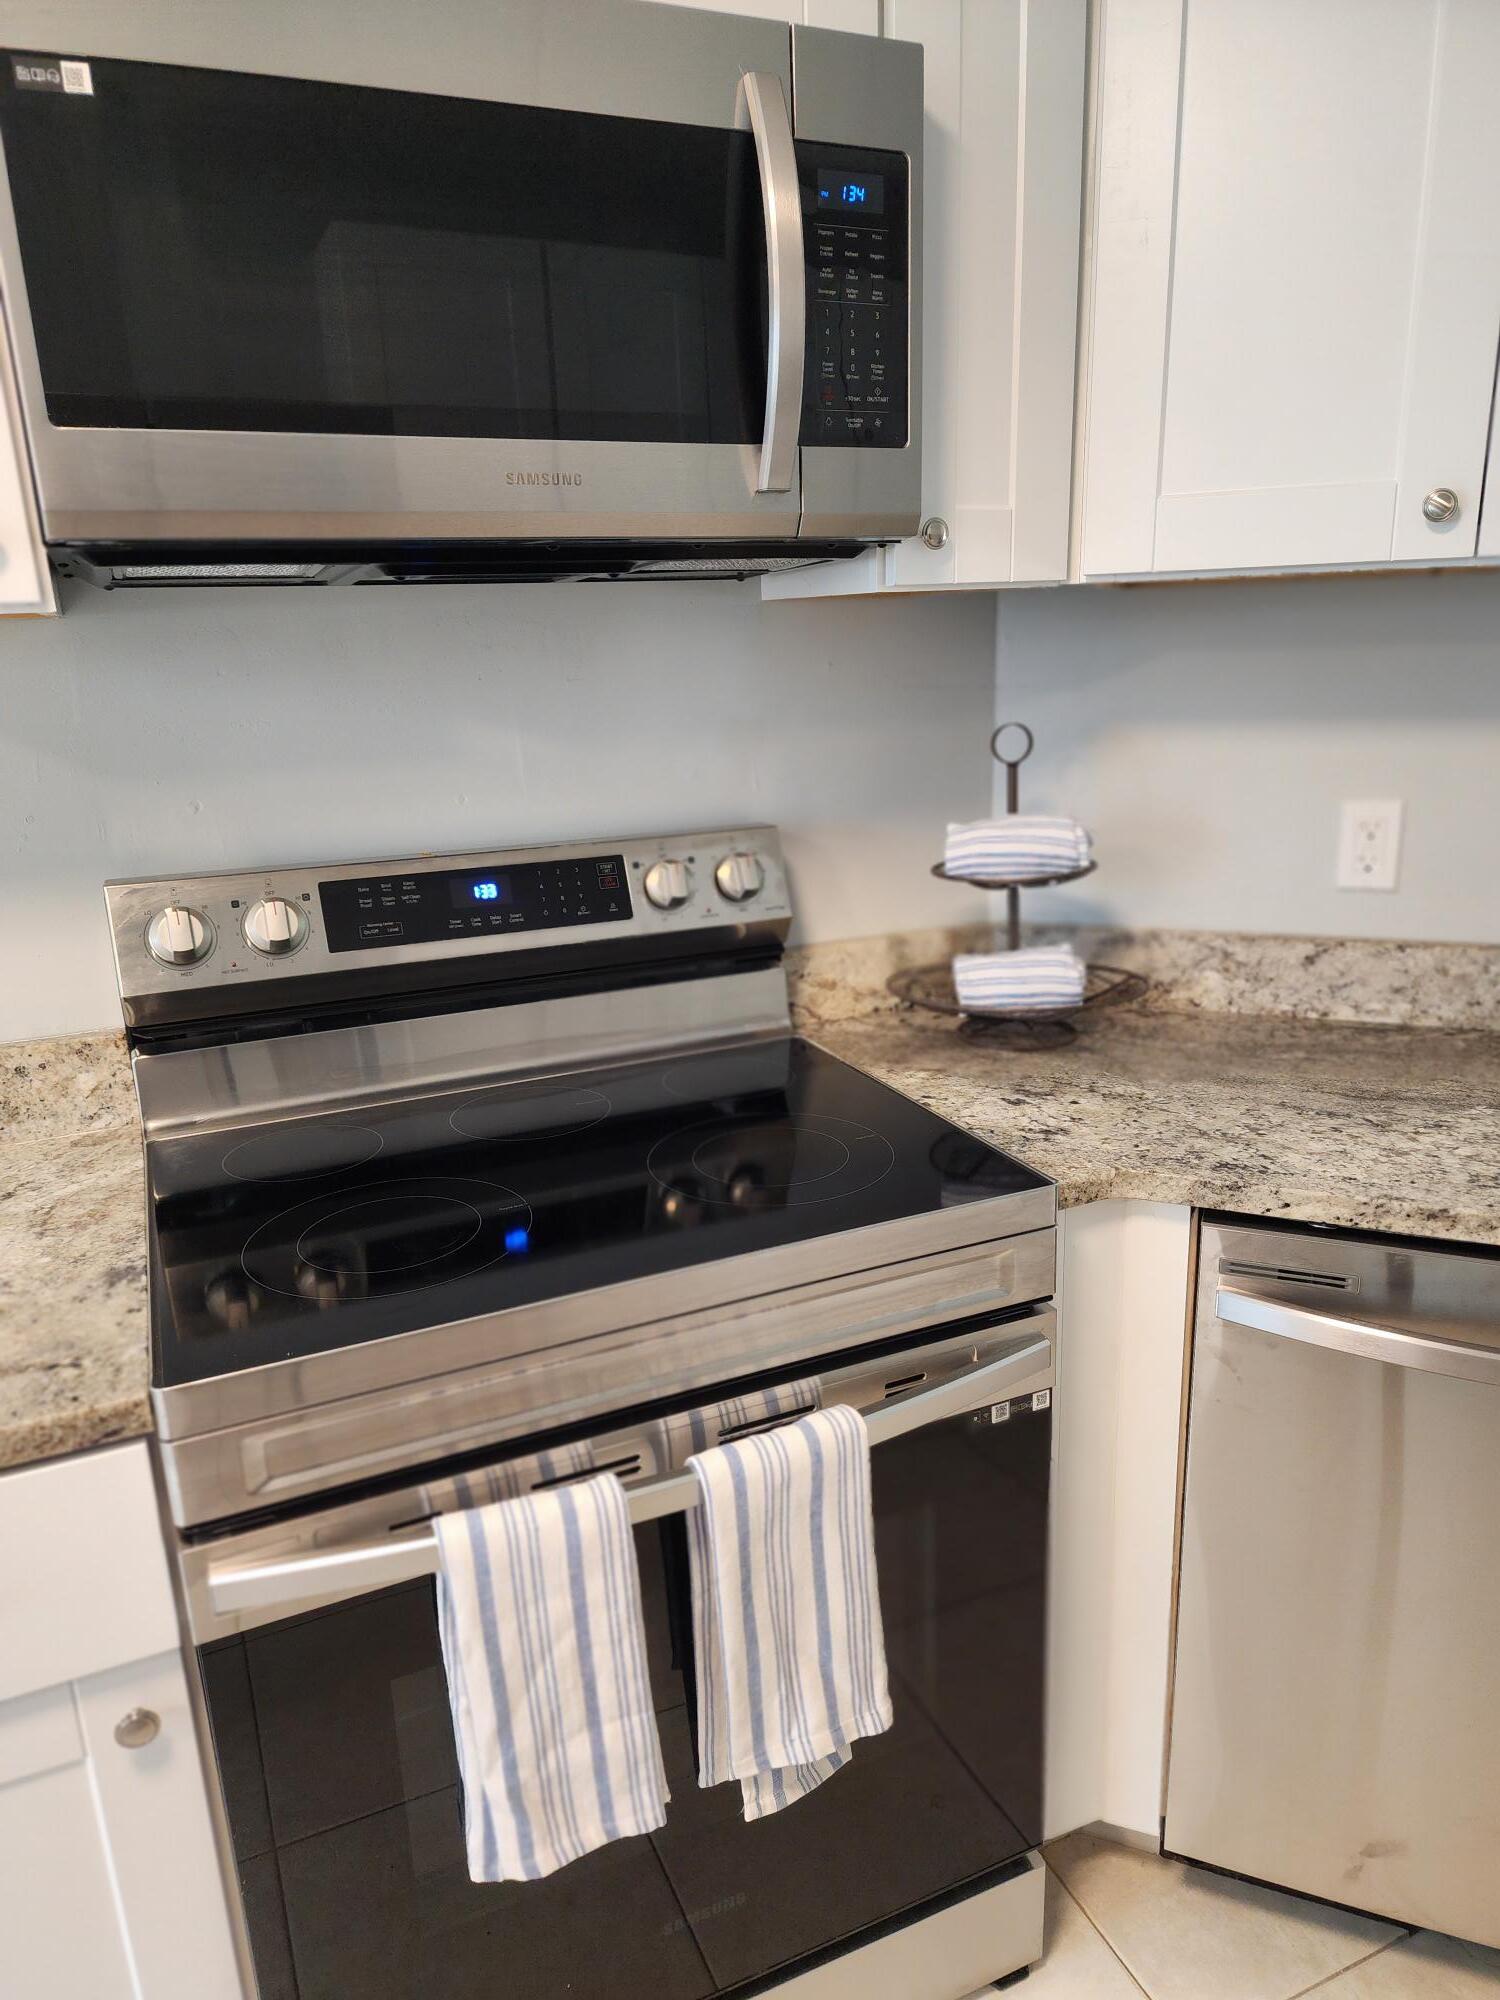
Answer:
[(262, 288)]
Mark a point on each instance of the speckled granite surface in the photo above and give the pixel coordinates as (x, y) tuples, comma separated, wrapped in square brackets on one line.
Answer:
[(73, 1331), (1252, 1079), (1371, 1127)]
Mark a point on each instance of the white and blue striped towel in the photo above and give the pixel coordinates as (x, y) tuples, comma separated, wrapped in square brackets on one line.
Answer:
[(1013, 848), (539, 1613), (706, 1426), (787, 1635), (1016, 982)]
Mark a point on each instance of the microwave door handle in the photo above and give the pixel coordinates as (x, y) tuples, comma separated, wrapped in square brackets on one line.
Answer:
[(781, 199), (372, 1566)]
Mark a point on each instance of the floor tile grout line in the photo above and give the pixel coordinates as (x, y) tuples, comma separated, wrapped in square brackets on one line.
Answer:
[(1098, 1933), (1320, 1985)]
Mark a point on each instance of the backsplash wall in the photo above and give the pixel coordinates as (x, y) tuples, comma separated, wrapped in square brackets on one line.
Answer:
[(1208, 732), (151, 731)]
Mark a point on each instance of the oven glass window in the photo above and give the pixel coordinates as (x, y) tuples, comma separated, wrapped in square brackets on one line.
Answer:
[(211, 251), (336, 1757)]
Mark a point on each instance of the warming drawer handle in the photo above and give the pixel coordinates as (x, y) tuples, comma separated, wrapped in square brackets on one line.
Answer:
[(371, 1566), (781, 199), (1350, 1336)]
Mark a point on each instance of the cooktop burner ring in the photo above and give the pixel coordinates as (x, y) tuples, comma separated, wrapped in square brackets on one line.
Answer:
[(819, 1144), (361, 1208), (501, 1114), (756, 1178), (299, 1152), (370, 1259)]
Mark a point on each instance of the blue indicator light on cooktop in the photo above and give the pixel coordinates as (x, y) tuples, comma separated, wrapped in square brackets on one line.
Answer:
[(517, 1239)]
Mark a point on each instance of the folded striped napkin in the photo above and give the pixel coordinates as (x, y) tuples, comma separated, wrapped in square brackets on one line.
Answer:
[(539, 1613), (787, 1634), (1004, 982), (1015, 847)]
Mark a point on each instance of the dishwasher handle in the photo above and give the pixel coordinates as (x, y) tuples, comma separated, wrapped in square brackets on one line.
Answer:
[(1351, 1336), (374, 1565)]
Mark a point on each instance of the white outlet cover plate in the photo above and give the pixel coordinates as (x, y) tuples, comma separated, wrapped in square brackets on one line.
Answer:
[(1369, 844)]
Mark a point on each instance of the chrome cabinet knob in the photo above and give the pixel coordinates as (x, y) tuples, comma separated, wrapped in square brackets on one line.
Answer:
[(935, 532), (274, 927), (738, 877), (1441, 504), (179, 936), (137, 1727), (666, 884)]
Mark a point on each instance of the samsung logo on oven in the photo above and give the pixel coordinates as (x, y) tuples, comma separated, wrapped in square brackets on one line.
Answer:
[(544, 479)]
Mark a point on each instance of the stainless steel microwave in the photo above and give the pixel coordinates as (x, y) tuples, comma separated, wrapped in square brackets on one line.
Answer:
[(348, 290)]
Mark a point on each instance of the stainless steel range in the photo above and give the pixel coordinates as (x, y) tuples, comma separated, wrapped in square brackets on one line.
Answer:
[(475, 1172)]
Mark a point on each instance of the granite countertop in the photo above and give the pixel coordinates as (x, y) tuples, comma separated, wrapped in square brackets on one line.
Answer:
[(74, 1367), (1388, 1128), (1380, 1127)]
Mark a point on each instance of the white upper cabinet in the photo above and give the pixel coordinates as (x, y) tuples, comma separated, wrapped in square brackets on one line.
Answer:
[(1002, 188), (1293, 302)]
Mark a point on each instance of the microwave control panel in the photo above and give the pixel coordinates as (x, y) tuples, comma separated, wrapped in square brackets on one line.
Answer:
[(854, 227)]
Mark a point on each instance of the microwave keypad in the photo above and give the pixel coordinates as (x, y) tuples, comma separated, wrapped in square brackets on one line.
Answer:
[(854, 389)]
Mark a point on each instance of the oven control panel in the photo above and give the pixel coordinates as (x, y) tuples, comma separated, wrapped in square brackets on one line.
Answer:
[(181, 936), (854, 230)]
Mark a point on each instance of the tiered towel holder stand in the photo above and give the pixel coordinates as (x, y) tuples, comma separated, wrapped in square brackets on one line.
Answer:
[(931, 986)]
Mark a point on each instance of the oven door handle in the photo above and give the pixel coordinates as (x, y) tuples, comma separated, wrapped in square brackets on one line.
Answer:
[(781, 200), (371, 1566)]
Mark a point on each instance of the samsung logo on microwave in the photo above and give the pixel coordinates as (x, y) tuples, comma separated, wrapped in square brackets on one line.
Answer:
[(544, 479)]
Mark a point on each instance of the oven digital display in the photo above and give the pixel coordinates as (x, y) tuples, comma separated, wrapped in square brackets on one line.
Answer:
[(467, 889), (458, 905), (841, 192)]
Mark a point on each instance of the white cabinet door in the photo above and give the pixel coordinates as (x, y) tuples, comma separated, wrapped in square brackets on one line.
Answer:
[(1294, 296), (1002, 188), (110, 1884)]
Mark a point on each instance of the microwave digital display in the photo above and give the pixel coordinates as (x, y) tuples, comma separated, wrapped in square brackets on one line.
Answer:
[(841, 192)]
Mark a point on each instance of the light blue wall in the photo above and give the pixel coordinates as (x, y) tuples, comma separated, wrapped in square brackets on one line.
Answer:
[(1207, 733), (146, 732)]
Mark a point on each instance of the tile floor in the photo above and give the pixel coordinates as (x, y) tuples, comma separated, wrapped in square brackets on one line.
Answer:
[(1122, 1924)]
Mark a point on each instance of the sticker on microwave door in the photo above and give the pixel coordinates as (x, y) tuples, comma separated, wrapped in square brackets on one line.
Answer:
[(999, 1413), (1042, 1400), (75, 79)]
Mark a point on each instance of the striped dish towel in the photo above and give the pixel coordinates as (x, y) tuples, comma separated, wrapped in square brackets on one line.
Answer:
[(1016, 982), (1015, 847), (539, 1613), (706, 1426), (786, 1608)]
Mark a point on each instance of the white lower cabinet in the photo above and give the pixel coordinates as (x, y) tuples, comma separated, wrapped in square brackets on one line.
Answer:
[(110, 1887), (1122, 1343)]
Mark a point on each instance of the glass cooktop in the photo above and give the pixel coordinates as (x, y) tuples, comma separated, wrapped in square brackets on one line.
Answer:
[(295, 1238)]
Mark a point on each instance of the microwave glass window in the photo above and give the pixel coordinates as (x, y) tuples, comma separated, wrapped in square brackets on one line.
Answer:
[(211, 251)]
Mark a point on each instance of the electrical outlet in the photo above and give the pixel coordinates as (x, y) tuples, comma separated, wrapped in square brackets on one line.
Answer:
[(1369, 844)]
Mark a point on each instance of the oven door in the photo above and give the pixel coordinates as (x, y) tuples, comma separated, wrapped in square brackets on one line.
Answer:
[(299, 274), (335, 1753)]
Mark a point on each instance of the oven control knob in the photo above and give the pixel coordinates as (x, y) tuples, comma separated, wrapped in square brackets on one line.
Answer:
[(667, 884), (179, 936), (274, 927), (740, 876)]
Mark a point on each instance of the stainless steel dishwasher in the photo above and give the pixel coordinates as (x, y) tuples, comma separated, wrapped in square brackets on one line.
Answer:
[(1336, 1703)]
